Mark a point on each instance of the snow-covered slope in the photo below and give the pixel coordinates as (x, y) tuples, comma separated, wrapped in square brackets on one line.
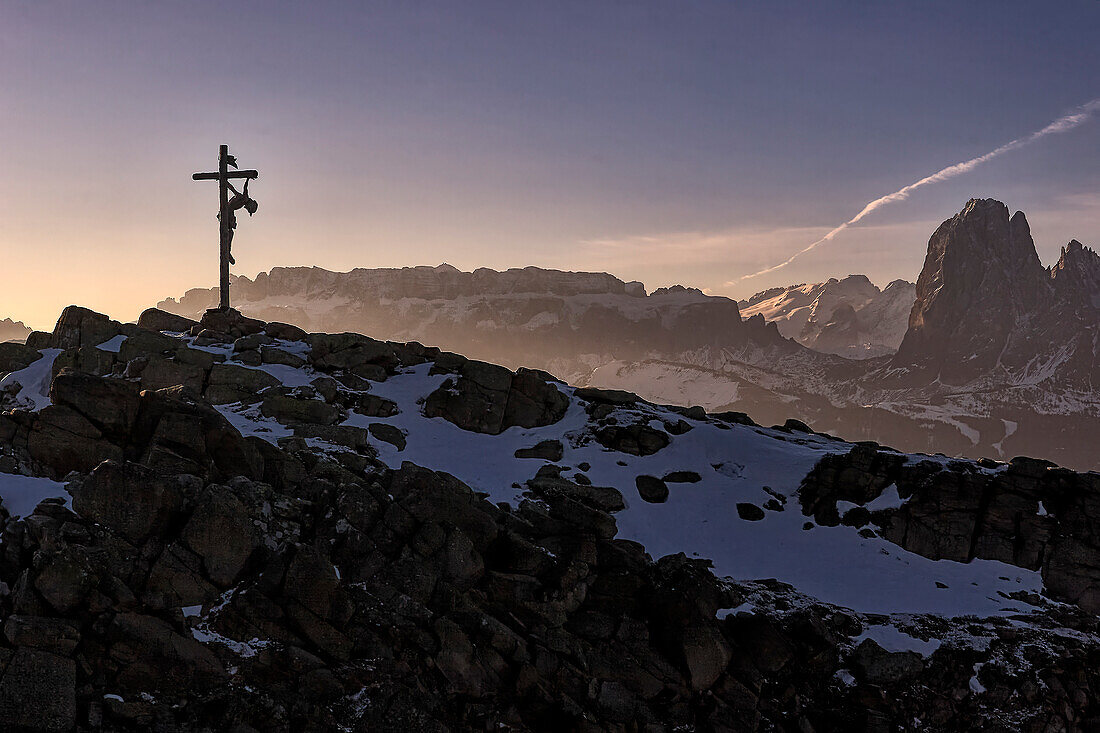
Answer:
[(736, 464), (907, 570), (849, 317)]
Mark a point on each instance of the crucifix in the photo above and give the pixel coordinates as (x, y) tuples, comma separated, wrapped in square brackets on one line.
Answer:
[(227, 217)]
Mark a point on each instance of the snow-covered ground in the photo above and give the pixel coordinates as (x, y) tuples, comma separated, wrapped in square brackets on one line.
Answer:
[(21, 494), (834, 564), (735, 463), (31, 385)]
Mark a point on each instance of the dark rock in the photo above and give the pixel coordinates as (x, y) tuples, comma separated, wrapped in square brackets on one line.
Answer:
[(153, 657), (275, 355), (652, 489), (38, 693), (749, 511), (63, 440), (79, 327), (161, 373), (130, 499), (284, 331), (221, 532), (230, 383), (486, 398), (154, 319), (637, 440), (53, 635), (388, 433), (15, 356), (229, 322), (350, 351), (616, 397), (109, 404), (547, 450), (290, 410), (879, 666), (682, 477)]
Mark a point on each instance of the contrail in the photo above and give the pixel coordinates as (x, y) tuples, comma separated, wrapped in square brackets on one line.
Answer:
[(1067, 122)]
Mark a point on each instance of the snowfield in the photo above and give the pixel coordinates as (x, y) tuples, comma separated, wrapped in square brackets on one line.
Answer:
[(736, 463)]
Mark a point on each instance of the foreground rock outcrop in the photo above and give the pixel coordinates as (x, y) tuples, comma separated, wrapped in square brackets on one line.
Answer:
[(287, 578)]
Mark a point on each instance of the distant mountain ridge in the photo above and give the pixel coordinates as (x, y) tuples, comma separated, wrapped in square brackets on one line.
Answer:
[(569, 322), (998, 354), (849, 317), (13, 331)]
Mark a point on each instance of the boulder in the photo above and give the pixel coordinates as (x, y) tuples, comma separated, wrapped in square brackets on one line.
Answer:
[(15, 356), (154, 319), (109, 404), (79, 327), (230, 383), (637, 440), (221, 532), (617, 397), (486, 398), (229, 322), (388, 433), (547, 450), (63, 440), (289, 410), (652, 489), (275, 355), (147, 343), (351, 351), (38, 693), (53, 635), (162, 373), (284, 331), (178, 434), (153, 657), (548, 484), (348, 436), (879, 666), (750, 512), (130, 499)]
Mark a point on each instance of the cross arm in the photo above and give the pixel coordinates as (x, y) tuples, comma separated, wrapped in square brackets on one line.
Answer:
[(231, 174)]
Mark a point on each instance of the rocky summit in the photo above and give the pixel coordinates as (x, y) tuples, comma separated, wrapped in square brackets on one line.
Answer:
[(235, 525), (986, 308)]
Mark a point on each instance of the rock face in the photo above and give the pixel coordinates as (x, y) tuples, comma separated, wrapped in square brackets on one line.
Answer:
[(1031, 514), (849, 317), (987, 308)]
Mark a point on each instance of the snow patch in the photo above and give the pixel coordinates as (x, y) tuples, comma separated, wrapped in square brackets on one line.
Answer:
[(21, 494)]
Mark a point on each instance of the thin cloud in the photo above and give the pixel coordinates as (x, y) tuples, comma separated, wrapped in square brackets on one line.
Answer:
[(1067, 122)]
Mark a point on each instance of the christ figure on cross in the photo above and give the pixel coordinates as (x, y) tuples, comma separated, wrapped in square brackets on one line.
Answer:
[(227, 216)]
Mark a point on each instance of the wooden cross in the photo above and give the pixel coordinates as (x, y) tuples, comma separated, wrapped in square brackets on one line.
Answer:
[(222, 176)]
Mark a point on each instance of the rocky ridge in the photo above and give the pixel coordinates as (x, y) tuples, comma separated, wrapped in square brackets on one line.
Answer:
[(243, 541), (849, 317)]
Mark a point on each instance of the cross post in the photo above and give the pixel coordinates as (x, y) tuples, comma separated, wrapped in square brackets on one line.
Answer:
[(225, 214)]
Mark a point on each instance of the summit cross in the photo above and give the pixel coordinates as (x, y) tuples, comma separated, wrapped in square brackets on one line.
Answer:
[(227, 218)]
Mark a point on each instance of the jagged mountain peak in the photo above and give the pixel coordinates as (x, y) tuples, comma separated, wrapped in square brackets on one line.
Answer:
[(986, 308), (11, 330), (1076, 275), (849, 317)]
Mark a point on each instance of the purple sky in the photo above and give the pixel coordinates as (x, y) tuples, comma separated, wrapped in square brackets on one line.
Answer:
[(666, 142)]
